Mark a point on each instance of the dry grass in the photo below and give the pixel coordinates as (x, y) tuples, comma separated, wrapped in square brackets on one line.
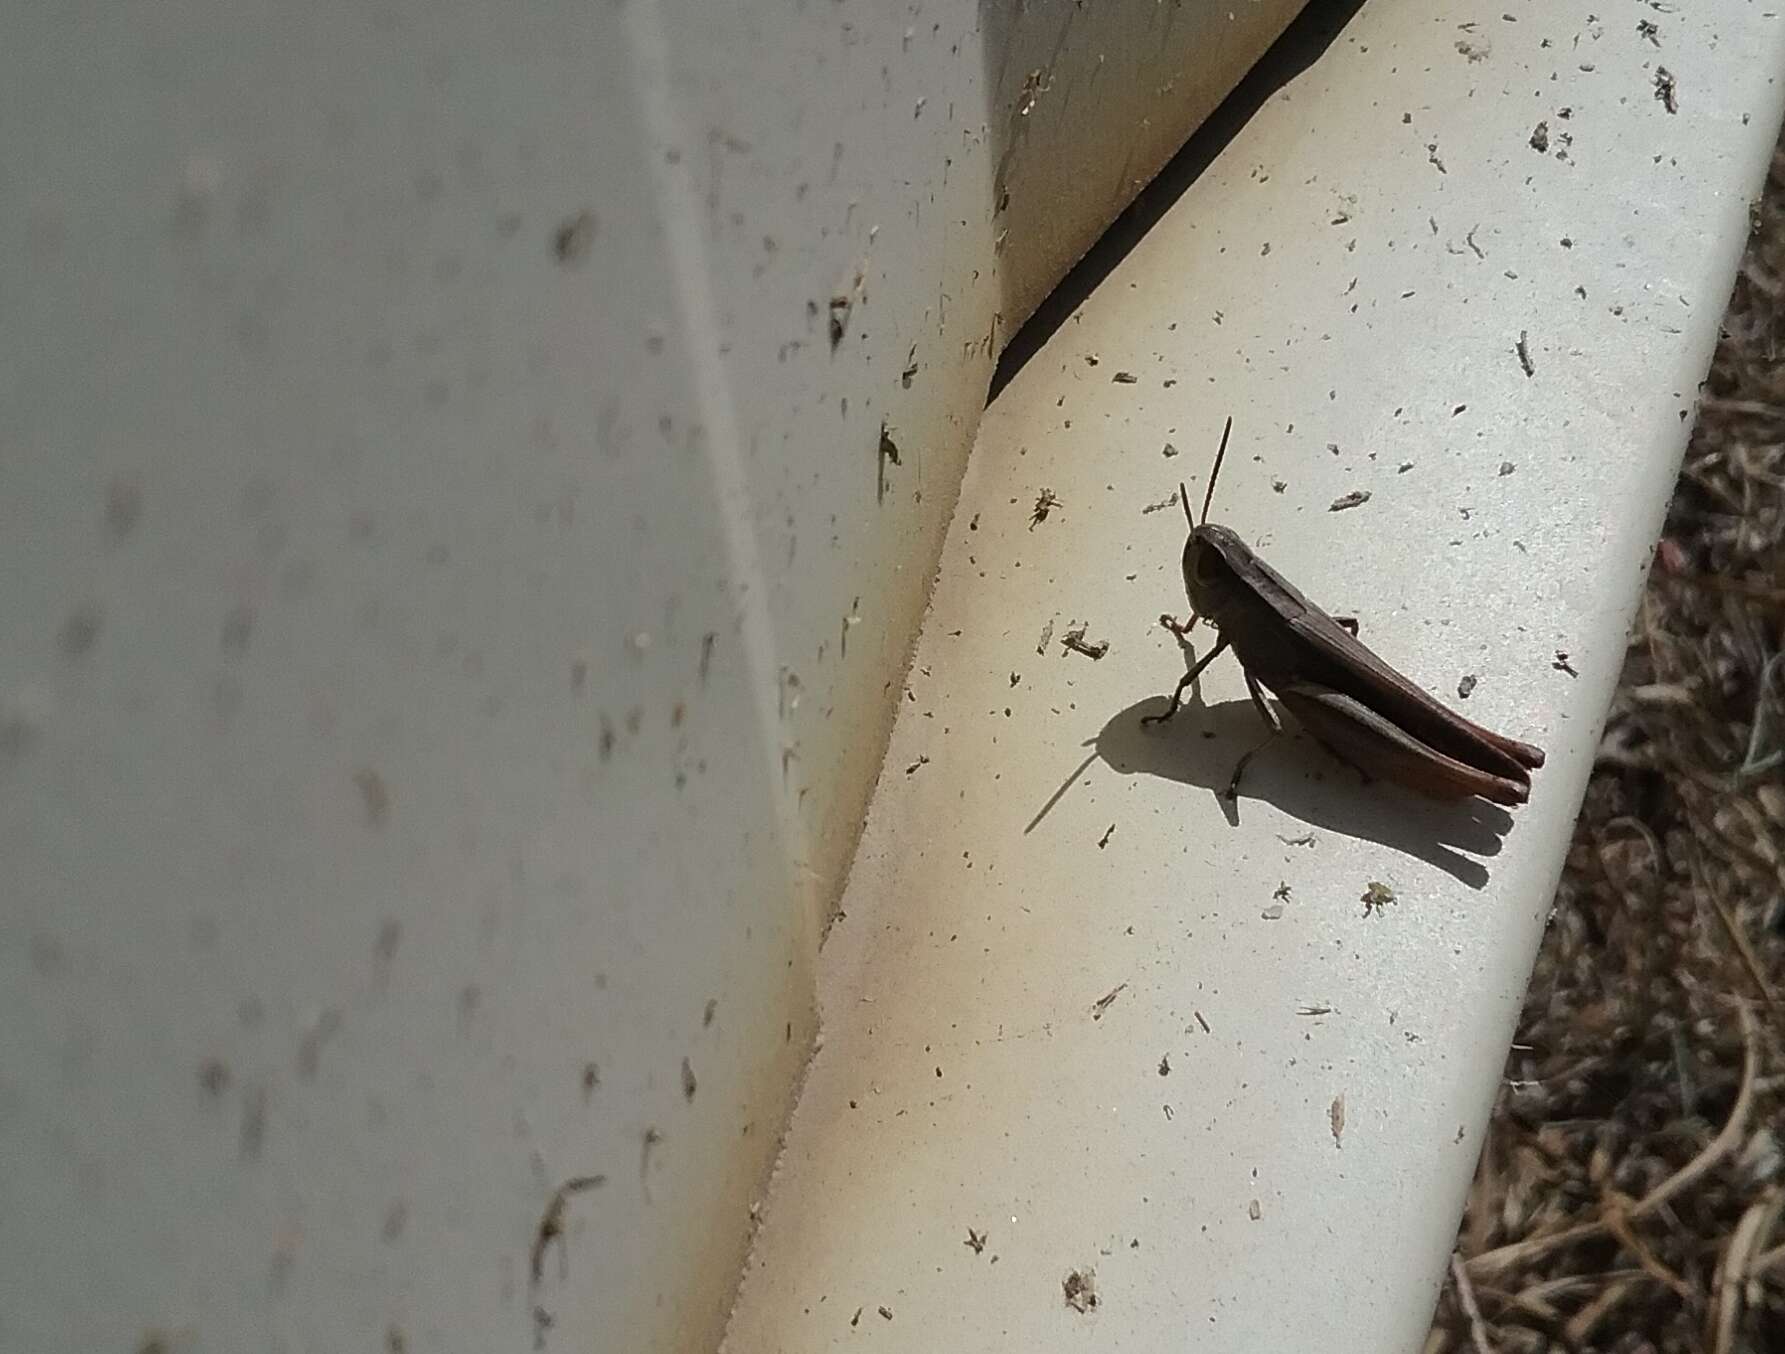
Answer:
[(1631, 1193)]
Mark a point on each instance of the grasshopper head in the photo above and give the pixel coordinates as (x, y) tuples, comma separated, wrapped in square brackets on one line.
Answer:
[(1209, 579)]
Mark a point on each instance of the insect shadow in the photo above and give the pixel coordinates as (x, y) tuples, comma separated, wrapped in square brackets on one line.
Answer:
[(1201, 746)]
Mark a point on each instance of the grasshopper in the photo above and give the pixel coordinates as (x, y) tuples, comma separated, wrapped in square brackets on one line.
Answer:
[(1354, 704)]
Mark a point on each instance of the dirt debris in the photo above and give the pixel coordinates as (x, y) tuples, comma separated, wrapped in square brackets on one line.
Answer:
[(1169, 501), (1667, 89), (1076, 642), (1376, 896), (1108, 999), (1080, 1287)]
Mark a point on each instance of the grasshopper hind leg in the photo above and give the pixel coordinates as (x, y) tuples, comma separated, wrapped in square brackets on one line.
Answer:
[(1364, 776), (1275, 725)]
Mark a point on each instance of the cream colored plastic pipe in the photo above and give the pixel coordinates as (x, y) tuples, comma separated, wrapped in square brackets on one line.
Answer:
[(1106, 1063)]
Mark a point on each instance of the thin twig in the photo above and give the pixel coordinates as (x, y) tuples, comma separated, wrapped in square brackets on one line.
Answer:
[(1539, 1294), (1758, 762), (1712, 404), (1533, 1312), (1737, 1264), (1531, 1248), (1617, 1222), (1750, 960), (1725, 1142), (1580, 1326), (1768, 1261), (1478, 1333)]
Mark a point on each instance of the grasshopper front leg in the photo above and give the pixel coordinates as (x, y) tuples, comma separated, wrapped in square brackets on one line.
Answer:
[(1177, 697)]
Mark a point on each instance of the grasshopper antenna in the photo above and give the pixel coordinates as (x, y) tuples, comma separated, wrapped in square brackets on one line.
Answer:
[(1210, 496)]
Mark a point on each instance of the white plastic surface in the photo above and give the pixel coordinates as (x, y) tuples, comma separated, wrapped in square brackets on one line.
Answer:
[(1084, 1019), (450, 591)]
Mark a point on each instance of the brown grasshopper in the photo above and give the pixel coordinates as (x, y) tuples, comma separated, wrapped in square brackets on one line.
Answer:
[(1353, 703)]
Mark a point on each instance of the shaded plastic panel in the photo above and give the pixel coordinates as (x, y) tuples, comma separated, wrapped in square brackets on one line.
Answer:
[(453, 587)]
